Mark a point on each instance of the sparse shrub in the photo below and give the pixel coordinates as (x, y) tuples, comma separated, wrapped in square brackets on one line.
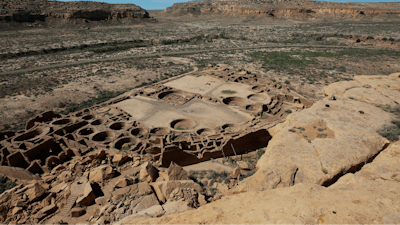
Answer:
[(228, 92), (192, 177), (288, 111), (391, 132), (397, 123), (260, 152), (213, 191), (395, 110), (6, 184), (287, 82), (61, 105), (247, 175), (125, 148)]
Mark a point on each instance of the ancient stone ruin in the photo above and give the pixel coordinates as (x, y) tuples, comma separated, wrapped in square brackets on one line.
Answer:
[(187, 119), (123, 157)]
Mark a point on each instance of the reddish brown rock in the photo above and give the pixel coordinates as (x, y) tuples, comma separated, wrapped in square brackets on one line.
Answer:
[(174, 172), (101, 173), (148, 173), (164, 188), (34, 193), (45, 211), (123, 183), (77, 212), (88, 197), (120, 158)]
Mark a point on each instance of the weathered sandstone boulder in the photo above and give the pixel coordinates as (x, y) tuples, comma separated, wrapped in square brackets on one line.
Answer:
[(163, 189), (375, 90), (135, 190), (147, 202), (34, 193), (101, 173), (88, 195), (174, 172), (77, 212), (45, 211), (123, 183), (148, 173), (120, 158)]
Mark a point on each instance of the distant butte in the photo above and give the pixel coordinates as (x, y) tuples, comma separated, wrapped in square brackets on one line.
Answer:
[(39, 13), (300, 10)]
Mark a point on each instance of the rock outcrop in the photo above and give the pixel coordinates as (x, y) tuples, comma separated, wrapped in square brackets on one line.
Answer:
[(368, 196), (286, 9), (375, 90), (345, 140), (54, 13)]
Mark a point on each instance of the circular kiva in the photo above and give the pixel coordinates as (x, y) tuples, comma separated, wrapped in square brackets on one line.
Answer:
[(257, 97), (118, 126), (169, 93), (254, 107), (205, 132), (98, 122), (88, 117), (183, 124), (126, 143), (234, 101), (86, 131), (103, 136), (231, 128), (257, 88), (34, 134), (160, 131), (63, 121), (138, 131)]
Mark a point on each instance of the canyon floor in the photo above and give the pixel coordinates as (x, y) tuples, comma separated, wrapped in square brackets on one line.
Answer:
[(305, 119)]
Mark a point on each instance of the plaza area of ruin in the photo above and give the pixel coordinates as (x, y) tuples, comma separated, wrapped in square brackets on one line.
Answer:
[(188, 119)]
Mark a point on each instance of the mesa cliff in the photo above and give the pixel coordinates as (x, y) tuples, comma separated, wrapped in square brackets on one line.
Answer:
[(299, 10), (54, 13)]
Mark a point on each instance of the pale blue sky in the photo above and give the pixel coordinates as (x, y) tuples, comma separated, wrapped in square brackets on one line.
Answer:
[(162, 4)]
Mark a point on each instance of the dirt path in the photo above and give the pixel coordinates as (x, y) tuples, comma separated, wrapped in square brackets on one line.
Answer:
[(173, 53)]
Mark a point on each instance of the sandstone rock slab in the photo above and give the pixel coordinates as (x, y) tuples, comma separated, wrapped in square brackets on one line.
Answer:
[(148, 173), (174, 172), (88, 197), (101, 173), (163, 189)]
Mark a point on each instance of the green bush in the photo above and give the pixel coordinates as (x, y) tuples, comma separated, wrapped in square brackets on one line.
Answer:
[(391, 132), (260, 153), (6, 184)]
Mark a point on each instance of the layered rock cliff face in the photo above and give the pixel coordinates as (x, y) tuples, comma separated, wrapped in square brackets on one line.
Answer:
[(287, 9), (36, 11)]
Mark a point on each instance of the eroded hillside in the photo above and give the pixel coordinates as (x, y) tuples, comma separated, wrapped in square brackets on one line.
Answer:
[(314, 10), (39, 13)]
